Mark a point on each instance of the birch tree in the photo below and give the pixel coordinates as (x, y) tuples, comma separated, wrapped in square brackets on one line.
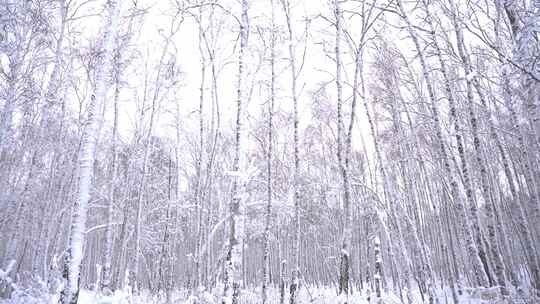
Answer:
[(268, 211), (74, 256), (233, 262), (295, 264), (415, 197), (472, 248)]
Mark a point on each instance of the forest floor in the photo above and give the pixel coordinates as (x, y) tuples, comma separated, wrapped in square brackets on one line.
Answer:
[(307, 295)]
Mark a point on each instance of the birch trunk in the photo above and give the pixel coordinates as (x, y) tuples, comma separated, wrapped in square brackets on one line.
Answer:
[(467, 183), (347, 233), (472, 250), (522, 224), (499, 267), (51, 95), (107, 258), (199, 165), (233, 262), (377, 277), (511, 9), (134, 263), (295, 264), (74, 256), (268, 213)]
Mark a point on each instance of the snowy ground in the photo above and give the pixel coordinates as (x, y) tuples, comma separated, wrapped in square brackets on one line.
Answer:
[(307, 295)]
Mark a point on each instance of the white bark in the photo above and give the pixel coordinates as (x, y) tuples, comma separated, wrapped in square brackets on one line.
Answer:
[(295, 264), (107, 258), (343, 158), (268, 211), (377, 277), (466, 228), (233, 267), (522, 224), (74, 255), (497, 259)]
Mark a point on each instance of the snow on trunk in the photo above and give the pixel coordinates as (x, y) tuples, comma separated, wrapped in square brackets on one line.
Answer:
[(470, 76), (233, 263), (268, 211), (466, 229), (377, 277), (295, 265), (74, 254), (107, 257)]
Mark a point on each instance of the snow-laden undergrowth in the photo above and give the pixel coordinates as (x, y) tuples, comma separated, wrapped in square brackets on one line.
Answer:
[(307, 295)]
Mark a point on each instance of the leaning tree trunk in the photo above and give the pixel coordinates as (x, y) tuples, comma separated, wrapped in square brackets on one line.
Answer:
[(467, 183), (459, 140), (522, 224), (54, 88), (472, 250), (74, 256), (495, 252), (520, 54)]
